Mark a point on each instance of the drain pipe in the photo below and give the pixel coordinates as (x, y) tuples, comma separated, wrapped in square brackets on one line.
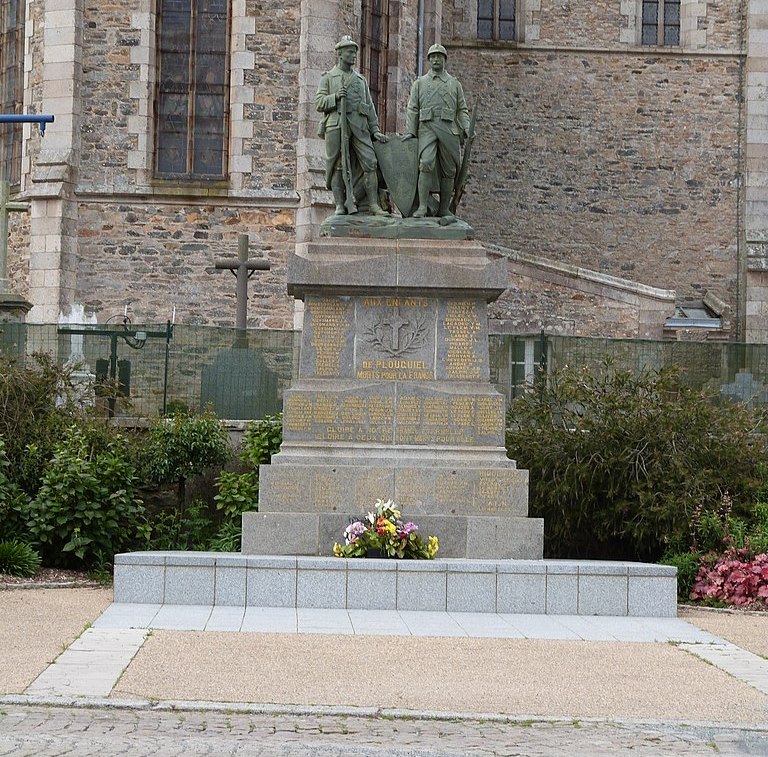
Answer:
[(420, 40)]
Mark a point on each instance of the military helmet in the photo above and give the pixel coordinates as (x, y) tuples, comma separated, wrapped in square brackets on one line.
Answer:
[(437, 49), (346, 41)]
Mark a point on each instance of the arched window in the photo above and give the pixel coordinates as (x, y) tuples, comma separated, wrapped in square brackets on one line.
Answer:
[(11, 86), (374, 48), (192, 89)]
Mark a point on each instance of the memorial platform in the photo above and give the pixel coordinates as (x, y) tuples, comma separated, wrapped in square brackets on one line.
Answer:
[(393, 401), (544, 587)]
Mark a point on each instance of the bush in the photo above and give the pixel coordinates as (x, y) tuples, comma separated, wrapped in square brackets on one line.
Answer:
[(184, 446), (687, 564), (18, 559), (190, 528), (85, 509), (620, 462), (13, 501), (239, 492), (739, 577), (37, 404)]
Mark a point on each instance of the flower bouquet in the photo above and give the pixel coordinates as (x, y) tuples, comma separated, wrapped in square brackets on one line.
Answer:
[(383, 533)]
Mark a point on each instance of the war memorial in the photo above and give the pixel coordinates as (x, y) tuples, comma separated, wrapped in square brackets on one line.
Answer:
[(393, 400)]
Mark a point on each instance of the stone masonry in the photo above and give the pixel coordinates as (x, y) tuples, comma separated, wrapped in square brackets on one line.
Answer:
[(635, 163)]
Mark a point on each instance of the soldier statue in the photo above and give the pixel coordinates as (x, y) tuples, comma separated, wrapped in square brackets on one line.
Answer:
[(437, 114), (349, 126)]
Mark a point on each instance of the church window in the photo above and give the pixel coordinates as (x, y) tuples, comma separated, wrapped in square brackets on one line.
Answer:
[(496, 19), (374, 48), (11, 86), (192, 89), (661, 22)]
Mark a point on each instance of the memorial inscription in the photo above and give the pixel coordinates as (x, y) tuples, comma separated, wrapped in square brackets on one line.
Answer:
[(396, 339), (330, 321), (464, 356), (382, 414)]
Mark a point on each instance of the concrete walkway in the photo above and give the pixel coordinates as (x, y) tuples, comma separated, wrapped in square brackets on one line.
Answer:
[(320, 667)]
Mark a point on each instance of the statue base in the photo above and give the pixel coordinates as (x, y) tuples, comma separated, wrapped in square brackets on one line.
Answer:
[(363, 226), (393, 401)]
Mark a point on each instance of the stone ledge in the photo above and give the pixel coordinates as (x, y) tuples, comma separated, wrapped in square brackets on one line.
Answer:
[(505, 586)]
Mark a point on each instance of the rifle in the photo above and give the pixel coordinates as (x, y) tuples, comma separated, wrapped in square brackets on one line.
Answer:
[(346, 168), (463, 175)]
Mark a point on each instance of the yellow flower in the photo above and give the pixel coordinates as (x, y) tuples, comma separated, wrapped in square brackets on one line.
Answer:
[(337, 550), (432, 546)]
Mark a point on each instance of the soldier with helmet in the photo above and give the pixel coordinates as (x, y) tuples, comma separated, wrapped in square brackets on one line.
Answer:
[(437, 114), (342, 84)]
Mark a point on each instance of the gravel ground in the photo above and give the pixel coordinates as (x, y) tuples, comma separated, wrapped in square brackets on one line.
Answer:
[(567, 678), (747, 630), (36, 625)]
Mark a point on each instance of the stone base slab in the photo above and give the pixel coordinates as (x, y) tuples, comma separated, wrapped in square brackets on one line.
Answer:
[(553, 587), (297, 533)]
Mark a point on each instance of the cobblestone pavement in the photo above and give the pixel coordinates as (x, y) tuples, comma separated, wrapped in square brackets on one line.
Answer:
[(57, 731)]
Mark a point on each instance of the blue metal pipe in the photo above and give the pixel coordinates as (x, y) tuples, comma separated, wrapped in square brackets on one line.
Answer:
[(23, 118)]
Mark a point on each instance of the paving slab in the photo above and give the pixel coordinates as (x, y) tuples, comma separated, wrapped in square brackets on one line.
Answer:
[(91, 666), (36, 625), (748, 630), (269, 620)]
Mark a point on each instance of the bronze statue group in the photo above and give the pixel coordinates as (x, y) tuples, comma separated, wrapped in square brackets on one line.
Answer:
[(437, 117)]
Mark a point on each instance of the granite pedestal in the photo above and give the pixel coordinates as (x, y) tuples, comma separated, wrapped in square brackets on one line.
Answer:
[(393, 401)]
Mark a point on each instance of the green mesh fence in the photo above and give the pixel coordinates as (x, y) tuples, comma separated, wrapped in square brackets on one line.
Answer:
[(243, 375), (240, 374), (733, 371)]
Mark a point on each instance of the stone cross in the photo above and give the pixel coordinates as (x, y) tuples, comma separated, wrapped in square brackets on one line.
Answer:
[(243, 269), (395, 324)]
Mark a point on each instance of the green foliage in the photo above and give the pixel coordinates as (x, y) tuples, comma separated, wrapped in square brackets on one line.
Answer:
[(261, 440), (620, 462), (184, 446), (687, 564), (237, 493), (37, 403), (227, 538), (13, 501), (85, 510), (190, 528), (18, 559)]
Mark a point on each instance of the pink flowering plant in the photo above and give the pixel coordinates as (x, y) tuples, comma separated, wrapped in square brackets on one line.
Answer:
[(738, 577), (383, 531)]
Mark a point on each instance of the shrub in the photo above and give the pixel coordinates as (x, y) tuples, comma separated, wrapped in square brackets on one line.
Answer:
[(190, 528), (687, 564), (227, 538), (37, 404), (13, 501), (261, 440), (85, 509), (739, 577), (18, 559), (239, 492), (184, 446), (620, 462)]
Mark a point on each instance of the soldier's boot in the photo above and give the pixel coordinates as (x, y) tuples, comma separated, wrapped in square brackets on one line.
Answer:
[(425, 184), (372, 192), (339, 193), (446, 195)]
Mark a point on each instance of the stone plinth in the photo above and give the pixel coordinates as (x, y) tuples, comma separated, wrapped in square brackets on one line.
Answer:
[(538, 587), (393, 400)]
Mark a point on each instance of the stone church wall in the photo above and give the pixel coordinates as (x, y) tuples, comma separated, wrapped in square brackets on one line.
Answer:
[(623, 163), (155, 256)]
